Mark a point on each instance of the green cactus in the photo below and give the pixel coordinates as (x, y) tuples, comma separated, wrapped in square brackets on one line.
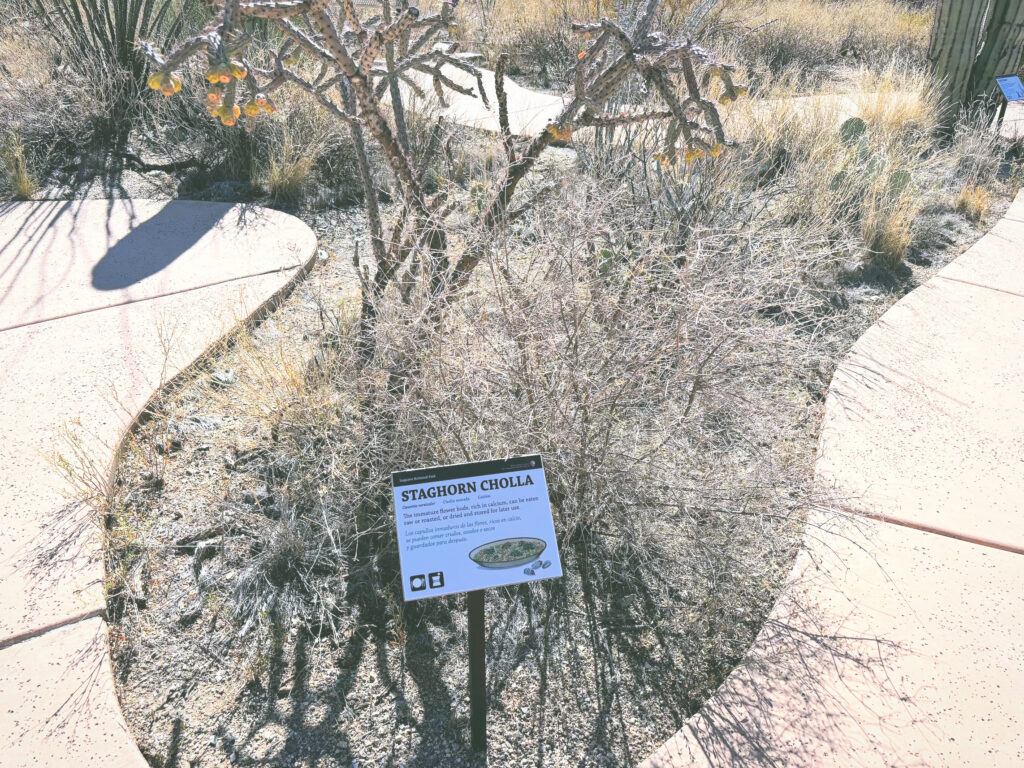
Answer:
[(972, 41), (852, 130)]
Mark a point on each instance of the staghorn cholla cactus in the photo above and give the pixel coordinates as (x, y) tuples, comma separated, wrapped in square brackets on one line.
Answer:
[(362, 59)]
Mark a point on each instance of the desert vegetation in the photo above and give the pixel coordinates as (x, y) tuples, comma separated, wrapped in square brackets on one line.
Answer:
[(651, 295)]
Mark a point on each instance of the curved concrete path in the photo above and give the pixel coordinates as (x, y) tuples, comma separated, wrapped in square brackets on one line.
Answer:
[(901, 640), (101, 302)]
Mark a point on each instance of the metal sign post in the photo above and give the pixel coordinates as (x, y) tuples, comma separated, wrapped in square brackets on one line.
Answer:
[(477, 672), (469, 527)]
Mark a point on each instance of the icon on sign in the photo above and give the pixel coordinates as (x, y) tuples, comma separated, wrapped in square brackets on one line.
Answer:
[(436, 579), (417, 583)]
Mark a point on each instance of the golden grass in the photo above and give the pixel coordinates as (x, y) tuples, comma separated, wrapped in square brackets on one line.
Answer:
[(17, 178), (828, 26), (887, 227), (973, 202), (895, 100)]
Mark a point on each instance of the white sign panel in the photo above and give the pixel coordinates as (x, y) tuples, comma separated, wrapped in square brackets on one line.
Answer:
[(473, 526)]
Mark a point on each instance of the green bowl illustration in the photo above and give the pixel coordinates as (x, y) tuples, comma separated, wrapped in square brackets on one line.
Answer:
[(508, 553)]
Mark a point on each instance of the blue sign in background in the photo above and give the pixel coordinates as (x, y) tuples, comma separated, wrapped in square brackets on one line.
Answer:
[(1012, 87)]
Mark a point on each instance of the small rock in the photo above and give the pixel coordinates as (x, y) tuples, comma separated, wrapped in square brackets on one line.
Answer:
[(223, 379)]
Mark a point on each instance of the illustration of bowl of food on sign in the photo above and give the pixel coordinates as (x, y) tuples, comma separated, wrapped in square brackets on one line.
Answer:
[(508, 553)]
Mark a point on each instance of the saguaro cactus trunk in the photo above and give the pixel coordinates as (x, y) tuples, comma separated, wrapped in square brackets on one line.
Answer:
[(973, 41)]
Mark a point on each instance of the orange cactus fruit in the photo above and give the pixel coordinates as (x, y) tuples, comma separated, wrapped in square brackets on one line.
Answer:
[(219, 73), (214, 98), (252, 109), (238, 70), (167, 87), (261, 100), (717, 148), (581, 55)]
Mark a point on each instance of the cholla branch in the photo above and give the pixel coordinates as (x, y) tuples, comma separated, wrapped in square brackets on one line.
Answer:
[(366, 59)]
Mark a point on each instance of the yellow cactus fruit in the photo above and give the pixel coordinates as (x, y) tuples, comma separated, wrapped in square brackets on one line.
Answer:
[(741, 90), (269, 107), (692, 153), (663, 159), (291, 61), (252, 109), (238, 70), (176, 82), (560, 133), (219, 73), (156, 81), (725, 98), (717, 148)]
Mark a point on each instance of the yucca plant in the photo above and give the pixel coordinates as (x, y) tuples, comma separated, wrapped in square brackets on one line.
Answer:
[(98, 40)]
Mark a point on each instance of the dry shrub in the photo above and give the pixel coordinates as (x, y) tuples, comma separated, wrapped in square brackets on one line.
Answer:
[(667, 409)]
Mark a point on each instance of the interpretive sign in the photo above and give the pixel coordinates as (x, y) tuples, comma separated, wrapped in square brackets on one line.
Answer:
[(473, 526), (1011, 86)]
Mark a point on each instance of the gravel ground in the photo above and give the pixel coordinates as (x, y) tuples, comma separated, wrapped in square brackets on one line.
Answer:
[(570, 683)]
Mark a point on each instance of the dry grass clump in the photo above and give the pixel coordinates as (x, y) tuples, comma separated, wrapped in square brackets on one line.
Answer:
[(973, 201), (18, 181), (811, 39), (863, 166)]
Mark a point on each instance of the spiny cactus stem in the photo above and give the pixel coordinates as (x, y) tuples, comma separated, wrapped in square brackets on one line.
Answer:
[(330, 106), (301, 39), (276, 9), (368, 112), (499, 92), (349, 9), (186, 50), (607, 119)]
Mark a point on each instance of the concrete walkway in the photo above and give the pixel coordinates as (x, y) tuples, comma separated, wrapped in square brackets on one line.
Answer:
[(101, 302), (900, 641)]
